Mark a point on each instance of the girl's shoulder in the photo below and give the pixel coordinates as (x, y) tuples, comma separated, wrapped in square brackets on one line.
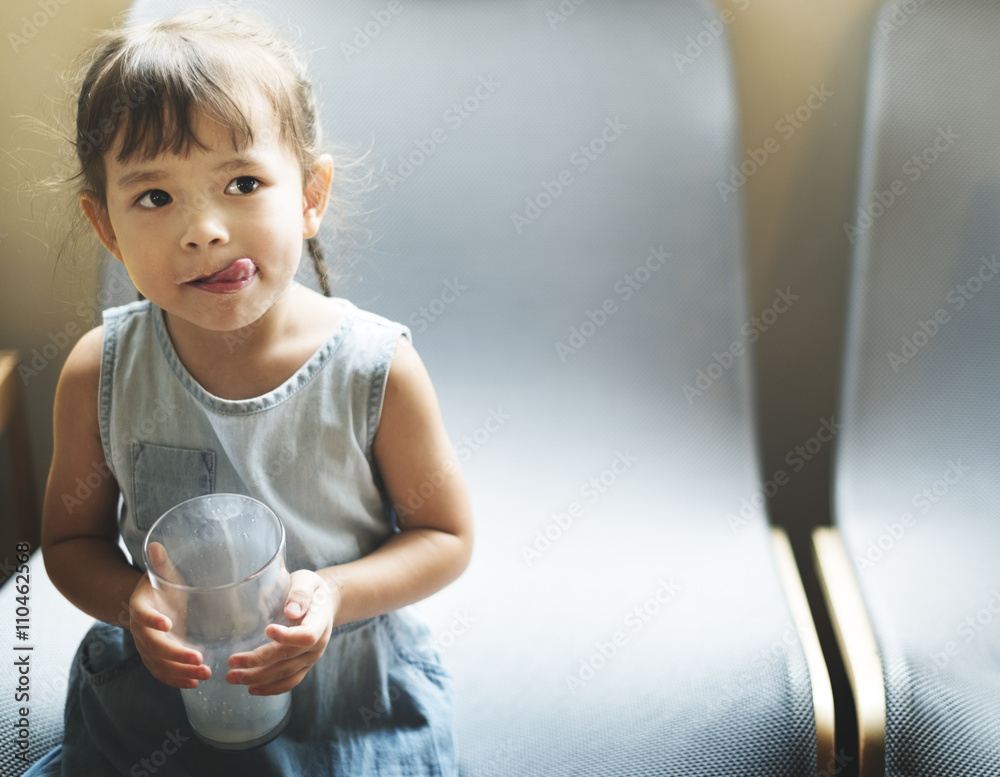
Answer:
[(366, 330), (84, 360), (79, 381), (371, 323)]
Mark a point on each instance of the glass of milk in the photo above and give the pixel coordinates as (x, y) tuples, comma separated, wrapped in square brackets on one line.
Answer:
[(218, 563)]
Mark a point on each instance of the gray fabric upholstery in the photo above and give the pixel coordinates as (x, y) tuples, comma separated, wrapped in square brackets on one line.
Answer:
[(55, 629), (644, 494), (916, 471)]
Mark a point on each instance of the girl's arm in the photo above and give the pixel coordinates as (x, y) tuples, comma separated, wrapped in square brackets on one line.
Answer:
[(431, 549), (434, 544), (80, 531)]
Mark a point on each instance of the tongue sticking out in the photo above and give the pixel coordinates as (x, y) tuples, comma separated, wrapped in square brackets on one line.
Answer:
[(240, 270)]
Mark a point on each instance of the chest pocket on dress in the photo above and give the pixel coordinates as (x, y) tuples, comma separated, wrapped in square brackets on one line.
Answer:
[(163, 477)]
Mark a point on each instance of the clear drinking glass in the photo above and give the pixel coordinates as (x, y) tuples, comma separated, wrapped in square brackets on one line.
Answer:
[(218, 564)]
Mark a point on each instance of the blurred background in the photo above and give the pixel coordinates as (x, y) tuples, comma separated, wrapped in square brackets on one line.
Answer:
[(800, 70)]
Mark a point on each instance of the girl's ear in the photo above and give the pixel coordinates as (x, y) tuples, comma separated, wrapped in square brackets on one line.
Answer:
[(316, 195), (98, 217)]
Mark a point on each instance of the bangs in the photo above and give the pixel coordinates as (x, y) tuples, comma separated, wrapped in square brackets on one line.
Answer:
[(161, 98), (144, 97)]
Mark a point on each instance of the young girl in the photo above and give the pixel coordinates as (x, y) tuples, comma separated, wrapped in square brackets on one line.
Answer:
[(201, 171)]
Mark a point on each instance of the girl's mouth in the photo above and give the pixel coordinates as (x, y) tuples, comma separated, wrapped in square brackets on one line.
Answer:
[(230, 279)]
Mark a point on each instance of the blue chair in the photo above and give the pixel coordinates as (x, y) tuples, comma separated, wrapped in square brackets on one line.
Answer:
[(557, 223), (910, 569)]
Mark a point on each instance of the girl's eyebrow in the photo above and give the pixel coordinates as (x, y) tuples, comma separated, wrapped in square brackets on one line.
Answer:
[(150, 176), (235, 163), (139, 176)]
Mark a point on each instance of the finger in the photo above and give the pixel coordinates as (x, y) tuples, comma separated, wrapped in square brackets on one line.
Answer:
[(305, 635), (268, 653), (146, 605), (286, 674), (315, 623), (179, 675), (287, 641), (140, 615), (166, 648), (298, 601), (280, 686), (162, 564)]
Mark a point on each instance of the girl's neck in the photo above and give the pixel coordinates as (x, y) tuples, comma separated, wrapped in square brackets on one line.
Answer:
[(256, 359)]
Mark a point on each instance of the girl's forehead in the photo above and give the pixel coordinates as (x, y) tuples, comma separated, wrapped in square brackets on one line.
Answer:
[(215, 154), (203, 134)]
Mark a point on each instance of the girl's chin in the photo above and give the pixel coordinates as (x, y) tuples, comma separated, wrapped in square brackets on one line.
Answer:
[(229, 312), (232, 324)]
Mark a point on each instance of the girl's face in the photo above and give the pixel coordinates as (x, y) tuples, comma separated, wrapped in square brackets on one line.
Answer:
[(213, 237)]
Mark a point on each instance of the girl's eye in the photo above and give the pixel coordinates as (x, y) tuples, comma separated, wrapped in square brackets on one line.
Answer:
[(155, 198), (245, 184)]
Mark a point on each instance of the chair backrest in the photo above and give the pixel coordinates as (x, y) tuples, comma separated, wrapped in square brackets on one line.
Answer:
[(921, 432), (916, 478)]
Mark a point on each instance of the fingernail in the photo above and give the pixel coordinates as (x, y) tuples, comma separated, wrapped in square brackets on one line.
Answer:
[(294, 609)]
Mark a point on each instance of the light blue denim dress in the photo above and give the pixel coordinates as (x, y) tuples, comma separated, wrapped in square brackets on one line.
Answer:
[(378, 702)]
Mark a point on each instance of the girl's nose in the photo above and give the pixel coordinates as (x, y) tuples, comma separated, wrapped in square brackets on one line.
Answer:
[(203, 228)]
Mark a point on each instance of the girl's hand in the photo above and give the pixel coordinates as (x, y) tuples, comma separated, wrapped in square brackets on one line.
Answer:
[(169, 661), (279, 666)]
